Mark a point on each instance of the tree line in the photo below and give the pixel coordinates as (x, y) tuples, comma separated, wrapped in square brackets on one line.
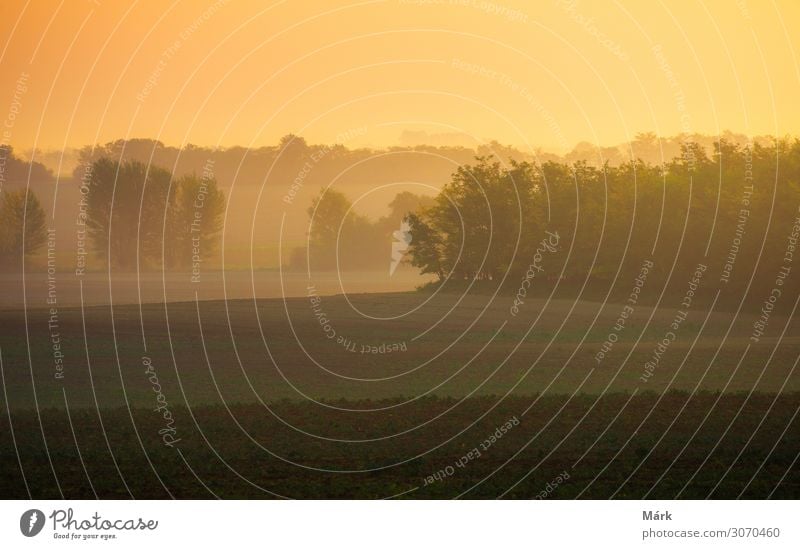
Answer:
[(734, 209), (140, 215), (135, 215), (281, 162)]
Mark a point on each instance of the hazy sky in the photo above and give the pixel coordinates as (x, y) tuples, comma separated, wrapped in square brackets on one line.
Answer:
[(528, 73)]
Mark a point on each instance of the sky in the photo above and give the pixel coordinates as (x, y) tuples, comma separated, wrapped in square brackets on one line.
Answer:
[(372, 73)]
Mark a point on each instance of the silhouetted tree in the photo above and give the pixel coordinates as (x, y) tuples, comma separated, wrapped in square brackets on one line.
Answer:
[(474, 229), (402, 204), (426, 246), (23, 228), (15, 170), (194, 220), (734, 208), (337, 230), (126, 206)]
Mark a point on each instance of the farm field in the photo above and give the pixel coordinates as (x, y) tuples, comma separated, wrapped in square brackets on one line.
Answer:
[(405, 400), (380, 346), (710, 445)]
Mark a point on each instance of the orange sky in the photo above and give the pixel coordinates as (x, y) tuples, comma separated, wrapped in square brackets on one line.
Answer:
[(544, 74)]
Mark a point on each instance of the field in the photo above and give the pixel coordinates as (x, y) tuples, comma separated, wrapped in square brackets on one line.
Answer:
[(404, 394)]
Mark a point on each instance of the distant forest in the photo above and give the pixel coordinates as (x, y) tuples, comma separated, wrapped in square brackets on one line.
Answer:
[(729, 205), (249, 166)]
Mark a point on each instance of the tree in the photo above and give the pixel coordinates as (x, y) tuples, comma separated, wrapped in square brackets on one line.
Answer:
[(338, 236), (13, 169), (426, 246), (125, 213), (293, 147), (194, 221), (474, 229), (403, 204), (23, 228)]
